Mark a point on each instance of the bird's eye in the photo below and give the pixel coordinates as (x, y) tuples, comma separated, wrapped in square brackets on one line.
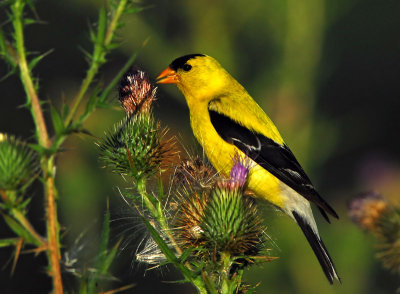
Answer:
[(186, 67)]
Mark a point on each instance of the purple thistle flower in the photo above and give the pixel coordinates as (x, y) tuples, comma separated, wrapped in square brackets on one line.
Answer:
[(239, 171)]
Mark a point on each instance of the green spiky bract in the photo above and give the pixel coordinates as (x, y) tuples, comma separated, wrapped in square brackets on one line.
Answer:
[(231, 224), (134, 147), (18, 164)]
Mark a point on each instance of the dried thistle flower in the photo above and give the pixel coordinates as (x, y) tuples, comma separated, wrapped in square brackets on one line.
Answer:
[(136, 93), (18, 163), (195, 174), (375, 214), (189, 218)]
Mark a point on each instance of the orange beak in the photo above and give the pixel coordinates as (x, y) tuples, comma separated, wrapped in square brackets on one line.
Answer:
[(168, 76)]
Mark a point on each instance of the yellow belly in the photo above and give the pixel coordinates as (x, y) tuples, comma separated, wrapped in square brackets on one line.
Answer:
[(220, 153)]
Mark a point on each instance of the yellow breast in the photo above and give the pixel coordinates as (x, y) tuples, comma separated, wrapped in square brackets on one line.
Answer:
[(220, 153)]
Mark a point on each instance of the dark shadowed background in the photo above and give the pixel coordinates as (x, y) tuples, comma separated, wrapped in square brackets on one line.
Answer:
[(326, 72)]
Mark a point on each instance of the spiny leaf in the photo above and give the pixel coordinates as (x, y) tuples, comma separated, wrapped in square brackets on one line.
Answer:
[(8, 242), (6, 51), (65, 110), (104, 257), (19, 230), (113, 45), (109, 259), (86, 54), (105, 233), (92, 34), (28, 21), (134, 9), (39, 148), (58, 122), (37, 59)]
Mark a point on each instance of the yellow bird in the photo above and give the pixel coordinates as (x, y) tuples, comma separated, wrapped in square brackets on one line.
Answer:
[(226, 120)]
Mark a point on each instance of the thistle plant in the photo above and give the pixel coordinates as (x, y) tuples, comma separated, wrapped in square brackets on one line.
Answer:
[(376, 215), (206, 227), (22, 162)]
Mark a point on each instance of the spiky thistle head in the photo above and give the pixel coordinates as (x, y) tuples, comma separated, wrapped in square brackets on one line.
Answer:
[(18, 163), (231, 223), (136, 93), (221, 219), (136, 147), (367, 209)]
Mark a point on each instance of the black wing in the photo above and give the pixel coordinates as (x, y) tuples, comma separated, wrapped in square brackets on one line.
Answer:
[(275, 158)]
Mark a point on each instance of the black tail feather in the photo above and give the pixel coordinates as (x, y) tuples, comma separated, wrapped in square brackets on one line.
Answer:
[(318, 247), (323, 213)]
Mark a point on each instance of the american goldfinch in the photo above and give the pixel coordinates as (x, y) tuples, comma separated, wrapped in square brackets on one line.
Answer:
[(227, 121)]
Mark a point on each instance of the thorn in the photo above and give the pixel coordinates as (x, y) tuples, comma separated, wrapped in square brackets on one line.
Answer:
[(18, 247)]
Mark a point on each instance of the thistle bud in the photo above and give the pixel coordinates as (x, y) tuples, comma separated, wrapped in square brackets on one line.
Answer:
[(231, 223), (367, 209), (375, 214), (18, 164), (136, 147), (136, 93)]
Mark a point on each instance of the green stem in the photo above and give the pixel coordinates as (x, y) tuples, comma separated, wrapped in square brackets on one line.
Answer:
[(114, 22), (103, 40), (164, 226), (53, 235), (25, 75), (157, 212), (43, 139), (225, 270), (141, 186), (209, 283)]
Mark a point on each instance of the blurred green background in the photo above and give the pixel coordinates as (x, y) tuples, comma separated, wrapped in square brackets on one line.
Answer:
[(326, 72)]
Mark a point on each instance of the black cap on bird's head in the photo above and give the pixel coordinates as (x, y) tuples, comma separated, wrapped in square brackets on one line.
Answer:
[(169, 75), (181, 61)]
